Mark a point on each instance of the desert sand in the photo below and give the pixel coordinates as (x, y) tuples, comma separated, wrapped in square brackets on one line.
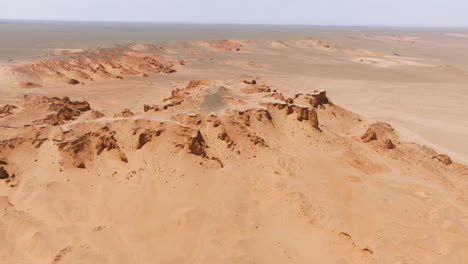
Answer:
[(237, 151)]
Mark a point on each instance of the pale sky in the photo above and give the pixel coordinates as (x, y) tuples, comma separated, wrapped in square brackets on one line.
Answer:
[(324, 12)]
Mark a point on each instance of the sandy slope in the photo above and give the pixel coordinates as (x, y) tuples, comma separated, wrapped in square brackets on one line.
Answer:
[(230, 170)]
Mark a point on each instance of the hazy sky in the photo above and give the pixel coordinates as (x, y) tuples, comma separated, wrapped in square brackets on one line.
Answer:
[(324, 12)]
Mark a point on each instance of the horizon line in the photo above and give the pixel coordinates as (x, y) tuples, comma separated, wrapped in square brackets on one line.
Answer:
[(230, 23)]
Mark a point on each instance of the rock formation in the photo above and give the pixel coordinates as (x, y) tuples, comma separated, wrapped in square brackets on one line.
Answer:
[(110, 63), (241, 174)]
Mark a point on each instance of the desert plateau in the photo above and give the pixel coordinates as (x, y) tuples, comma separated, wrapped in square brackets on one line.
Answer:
[(331, 146)]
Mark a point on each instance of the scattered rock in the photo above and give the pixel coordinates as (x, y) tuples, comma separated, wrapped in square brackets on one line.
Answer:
[(29, 85), (250, 82), (3, 174), (73, 82)]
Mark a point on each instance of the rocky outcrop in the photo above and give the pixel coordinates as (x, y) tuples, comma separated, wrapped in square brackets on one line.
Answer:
[(196, 83), (379, 131), (196, 145), (277, 96), (179, 95), (315, 99), (256, 88), (146, 136), (64, 108), (73, 82), (7, 110), (148, 108), (223, 135), (125, 113), (445, 159), (250, 82), (193, 142), (84, 149), (29, 85), (388, 144), (93, 115), (247, 116), (225, 45), (110, 63), (369, 136), (302, 113)]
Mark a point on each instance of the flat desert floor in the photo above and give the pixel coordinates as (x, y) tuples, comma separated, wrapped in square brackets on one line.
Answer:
[(347, 149)]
